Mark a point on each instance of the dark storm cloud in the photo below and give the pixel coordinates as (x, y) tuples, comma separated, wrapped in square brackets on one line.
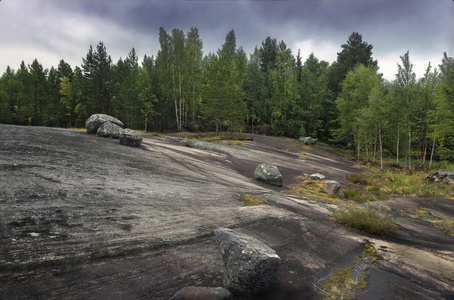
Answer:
[(65, 29)]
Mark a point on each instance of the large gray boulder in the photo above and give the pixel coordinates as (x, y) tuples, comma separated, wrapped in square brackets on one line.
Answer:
[(130, 138), (307, 140), (442, 176), (332, 187), (251, 267), (109, 129), (268, 174), (95, 121), (202, 293)]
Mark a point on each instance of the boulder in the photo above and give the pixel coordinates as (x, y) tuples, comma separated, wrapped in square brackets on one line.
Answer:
[(202, 293), (443, 176), (307, 140), (251, 267), (130, 138), (269, 174), (109, 129), (332, 187), (317, 176), (95, 121)]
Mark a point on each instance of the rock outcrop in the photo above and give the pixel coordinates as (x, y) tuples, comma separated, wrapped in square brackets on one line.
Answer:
[(202, 293), (317, 176), (95, 121), (109, 129), (332, 187), (307, 140), (252, 267), (268, 174), (442, 176), (130, 138)]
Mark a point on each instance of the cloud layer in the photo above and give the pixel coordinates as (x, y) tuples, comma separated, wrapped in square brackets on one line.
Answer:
[(54, 30)]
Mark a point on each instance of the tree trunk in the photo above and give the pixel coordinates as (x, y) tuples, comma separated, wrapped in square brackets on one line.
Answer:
[(398, 140), (381, 147), (432, 153)]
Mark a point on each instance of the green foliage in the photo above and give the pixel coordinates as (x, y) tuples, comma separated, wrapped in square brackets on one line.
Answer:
[(372, 184), (252, 199), (272, 92), (366, 219)]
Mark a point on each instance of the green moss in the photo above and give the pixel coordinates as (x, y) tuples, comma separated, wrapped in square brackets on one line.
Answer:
[(251, 199), (445, 225), (345, 282)]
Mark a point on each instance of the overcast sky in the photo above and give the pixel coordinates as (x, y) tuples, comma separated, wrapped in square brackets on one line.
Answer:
[(51, 30)]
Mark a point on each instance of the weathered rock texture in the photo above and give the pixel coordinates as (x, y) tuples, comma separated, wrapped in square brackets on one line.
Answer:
[(332, 187), (109, 129), (202, 293), (269, 174), (131, 138), (252, 267), (307, 140), (442, 176), (95, 121), (317, 176)]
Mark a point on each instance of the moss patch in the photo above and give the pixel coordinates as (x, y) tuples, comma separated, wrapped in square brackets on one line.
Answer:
[(343, 283), (252, 199)]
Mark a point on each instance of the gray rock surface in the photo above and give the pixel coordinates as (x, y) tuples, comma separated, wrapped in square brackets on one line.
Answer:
[(130, 138), (442, 176), (109, 129), (268, 174), (307, 140), (332, 187), (252, 267), (202, 293), (95, 121), (317, 176)]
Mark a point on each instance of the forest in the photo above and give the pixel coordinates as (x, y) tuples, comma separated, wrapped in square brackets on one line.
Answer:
[(270, 91)]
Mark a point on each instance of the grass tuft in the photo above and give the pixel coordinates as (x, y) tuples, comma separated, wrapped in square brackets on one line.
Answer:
[(252, 200), (366, 219)]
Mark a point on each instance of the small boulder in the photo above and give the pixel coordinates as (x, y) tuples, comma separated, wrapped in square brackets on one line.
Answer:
[(95, 121), (332, 187), (109, 129), (307, 140), (251, 267), (130, 138), (202, 293), (268, 174), (443, 176), (317, 176)]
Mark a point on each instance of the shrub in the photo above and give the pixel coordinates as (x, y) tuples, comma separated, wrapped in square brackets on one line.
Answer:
[(366, 219)]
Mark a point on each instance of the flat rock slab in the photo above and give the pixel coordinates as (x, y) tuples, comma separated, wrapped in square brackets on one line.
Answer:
[(252, 267), (82, 217), (202, 293)]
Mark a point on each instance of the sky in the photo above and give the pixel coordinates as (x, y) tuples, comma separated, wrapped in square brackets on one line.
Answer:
[(51, 30)]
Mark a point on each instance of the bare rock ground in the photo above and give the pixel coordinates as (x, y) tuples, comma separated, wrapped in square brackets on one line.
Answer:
[(83, 217)]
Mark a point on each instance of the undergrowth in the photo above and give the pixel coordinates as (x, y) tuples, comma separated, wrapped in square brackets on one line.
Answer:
[(366, 219), (372, 185), (252, 199)]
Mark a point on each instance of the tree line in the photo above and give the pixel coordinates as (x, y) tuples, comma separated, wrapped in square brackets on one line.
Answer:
[(270, 91)]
